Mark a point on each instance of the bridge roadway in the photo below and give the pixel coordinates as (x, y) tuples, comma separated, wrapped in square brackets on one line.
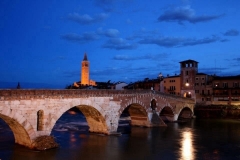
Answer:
[(33, 113)]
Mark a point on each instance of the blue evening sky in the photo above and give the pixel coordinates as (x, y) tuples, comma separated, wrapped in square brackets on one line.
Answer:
[(44, 41)]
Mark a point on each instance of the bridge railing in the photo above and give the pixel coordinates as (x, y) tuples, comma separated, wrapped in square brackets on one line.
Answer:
[(13, 92), (46, 93)]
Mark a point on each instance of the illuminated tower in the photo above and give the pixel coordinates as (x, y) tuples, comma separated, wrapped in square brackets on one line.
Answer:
[(85, 71), (189, 69)]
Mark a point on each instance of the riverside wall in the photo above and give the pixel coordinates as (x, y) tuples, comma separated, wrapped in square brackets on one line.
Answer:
[(217, 111)]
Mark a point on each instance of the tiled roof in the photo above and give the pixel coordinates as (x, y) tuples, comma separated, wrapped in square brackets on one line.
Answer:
[(227, 77), (190, 60)]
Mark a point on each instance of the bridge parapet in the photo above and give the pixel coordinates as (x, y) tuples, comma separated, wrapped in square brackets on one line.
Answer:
[(11, 94), (28, 94)]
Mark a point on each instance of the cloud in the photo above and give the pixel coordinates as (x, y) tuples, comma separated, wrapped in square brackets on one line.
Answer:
[(126, 58), (224, 40), (85, 37), (237, 59), (90, 36), (144, 57), (119, 44), (193, 42), (143, 33), (231, 32), (178, 41), (163, 41), (108, 33), (185, 13), (211, 70), (61, 57), (87, 19)]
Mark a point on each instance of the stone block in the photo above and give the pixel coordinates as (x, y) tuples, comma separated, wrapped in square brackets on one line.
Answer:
[(6, 111), (7, 103), (13, 114), (33, 135)]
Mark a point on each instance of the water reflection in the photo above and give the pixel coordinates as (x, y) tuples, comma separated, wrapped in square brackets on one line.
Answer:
[(187, 148), (72, 138), (196, 139)]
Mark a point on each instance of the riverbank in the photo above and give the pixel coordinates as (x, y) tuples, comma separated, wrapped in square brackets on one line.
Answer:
[(217, 111)]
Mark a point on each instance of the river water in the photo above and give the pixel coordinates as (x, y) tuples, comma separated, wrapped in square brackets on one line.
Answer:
[(209, 139)]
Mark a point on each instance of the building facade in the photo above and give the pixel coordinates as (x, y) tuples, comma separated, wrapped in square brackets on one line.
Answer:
[(203, 88), (119, 85), (172, 85), (226, 90), (151, 84)]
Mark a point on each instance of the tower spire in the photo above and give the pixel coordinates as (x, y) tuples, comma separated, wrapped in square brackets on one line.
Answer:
[(85, 57)]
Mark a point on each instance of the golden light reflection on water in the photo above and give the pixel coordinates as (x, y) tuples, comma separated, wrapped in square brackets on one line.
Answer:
[(187, 146)]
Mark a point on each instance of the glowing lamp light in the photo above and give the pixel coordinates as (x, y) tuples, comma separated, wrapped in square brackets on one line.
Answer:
[(187, 84)]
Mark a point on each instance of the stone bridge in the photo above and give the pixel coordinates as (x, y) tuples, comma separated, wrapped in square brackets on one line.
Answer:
[(33, 113)]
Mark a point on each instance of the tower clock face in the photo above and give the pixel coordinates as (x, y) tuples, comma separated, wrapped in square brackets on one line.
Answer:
[(86, 65)]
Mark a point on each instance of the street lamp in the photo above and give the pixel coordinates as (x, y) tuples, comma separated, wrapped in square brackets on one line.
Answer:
[(189, 95)]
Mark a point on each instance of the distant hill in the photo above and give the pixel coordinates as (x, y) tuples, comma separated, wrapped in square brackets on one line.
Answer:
[(27, 85)]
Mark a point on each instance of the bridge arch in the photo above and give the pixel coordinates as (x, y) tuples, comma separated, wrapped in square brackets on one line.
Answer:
[(22, 130), (137, 111), (167, 114), (185, 112), (94, 115), (138, 114), (95, 119), (132, 101)]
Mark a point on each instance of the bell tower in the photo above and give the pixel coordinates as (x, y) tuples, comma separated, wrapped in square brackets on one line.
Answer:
[(189, 69), (85, 71)]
